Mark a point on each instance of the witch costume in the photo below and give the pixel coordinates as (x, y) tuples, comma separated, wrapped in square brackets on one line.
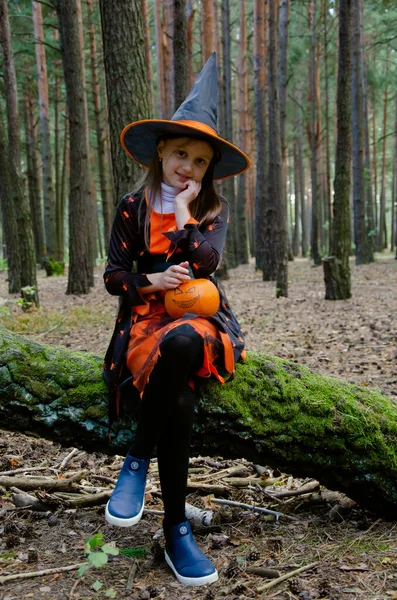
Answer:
[(154, 355)]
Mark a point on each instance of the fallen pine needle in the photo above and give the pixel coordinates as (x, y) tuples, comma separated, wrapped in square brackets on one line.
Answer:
[(5, 578), (275, 582)]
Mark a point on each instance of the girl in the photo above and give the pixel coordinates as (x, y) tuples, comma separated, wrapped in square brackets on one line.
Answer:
[(172, 221)]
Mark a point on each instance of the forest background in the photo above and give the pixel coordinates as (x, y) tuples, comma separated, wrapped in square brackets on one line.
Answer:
[(63, 170)]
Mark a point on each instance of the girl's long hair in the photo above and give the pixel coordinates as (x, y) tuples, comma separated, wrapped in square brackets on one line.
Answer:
[(204, 208)]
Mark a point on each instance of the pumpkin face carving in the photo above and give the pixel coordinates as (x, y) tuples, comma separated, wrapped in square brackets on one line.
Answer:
[(197, 296)]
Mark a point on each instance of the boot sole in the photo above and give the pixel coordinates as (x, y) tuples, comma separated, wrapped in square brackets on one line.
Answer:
[(195, 581), (120, 522)]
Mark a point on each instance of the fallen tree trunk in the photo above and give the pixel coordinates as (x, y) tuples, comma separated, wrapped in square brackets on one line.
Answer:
[(274, 412)]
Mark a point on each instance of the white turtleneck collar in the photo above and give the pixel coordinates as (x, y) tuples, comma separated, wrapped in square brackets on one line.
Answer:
[(165, 203)]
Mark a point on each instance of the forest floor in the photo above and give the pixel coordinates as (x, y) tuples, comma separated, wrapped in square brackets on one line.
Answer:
[(354, 551)]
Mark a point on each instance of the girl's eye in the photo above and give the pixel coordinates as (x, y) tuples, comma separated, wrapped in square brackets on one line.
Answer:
[(201, 161), (181, 153)]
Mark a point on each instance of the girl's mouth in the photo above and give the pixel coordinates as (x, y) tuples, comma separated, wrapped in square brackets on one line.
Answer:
[(183, 177)]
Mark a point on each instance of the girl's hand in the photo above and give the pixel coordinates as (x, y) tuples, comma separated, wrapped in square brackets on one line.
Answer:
[(169, 279), (189, 194)]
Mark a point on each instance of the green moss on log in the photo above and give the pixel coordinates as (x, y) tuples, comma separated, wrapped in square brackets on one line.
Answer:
[(273, 412)]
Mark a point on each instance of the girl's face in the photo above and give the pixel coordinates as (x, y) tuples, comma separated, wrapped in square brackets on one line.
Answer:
[(184, 159)]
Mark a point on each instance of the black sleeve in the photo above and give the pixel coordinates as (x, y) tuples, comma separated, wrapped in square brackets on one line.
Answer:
[(118, 276), (203, 247)]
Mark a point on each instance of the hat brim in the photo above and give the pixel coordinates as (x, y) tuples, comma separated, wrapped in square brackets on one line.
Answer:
[(139, 140)]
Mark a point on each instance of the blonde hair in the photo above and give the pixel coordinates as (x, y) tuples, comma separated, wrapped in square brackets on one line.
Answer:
[(204, 208)]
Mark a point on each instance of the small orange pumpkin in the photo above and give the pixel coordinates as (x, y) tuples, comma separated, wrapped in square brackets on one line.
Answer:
[(197, 296)]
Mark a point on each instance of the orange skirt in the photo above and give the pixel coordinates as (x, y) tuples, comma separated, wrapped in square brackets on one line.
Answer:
[(151, 323)]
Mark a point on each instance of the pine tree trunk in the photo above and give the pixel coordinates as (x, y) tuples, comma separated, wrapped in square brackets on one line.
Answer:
[(92, 209), (382, 229), (360, 224), (369, 202), (60, 239), (327, 187), (217, 41), (277, 195), (8, 218), (374, 171), (168, 35), (161, 101), (303, 209), (32, 173), (46, 154), (19, 202), (336, 267), (191, 11), (274, 412), (181, 59), (284, 40), (260, 97), (242, 95), (230, 252), (80, 265), (123, 34), (207, 13), (145, 13), (297, 203), (394, 199), (314, 139), (99, 130)]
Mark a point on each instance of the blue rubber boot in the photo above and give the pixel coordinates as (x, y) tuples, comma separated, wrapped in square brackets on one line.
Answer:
[(125, 506), (184, 557)]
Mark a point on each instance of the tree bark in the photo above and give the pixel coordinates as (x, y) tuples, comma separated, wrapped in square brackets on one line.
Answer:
[(33, 172), (359, 195), (80, 265), (19, 202), (327, 186), (161, 100), (46, 154), (99, 130), (260, 99), (59, 199), (277, 206), (382, 230), (230, 253), (369, 202), (148, 52), (8, 218), (126, 81), (314, 138), (180, 53), (336, 267), (274, 412), (242, 101), (168, 35)]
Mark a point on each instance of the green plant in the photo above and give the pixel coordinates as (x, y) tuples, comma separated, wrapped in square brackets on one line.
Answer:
[(28, 298), (97, 553)]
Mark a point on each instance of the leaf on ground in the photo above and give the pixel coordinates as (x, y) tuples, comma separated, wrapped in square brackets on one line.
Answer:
[(96, 540), (97, 585), (110, 549), (111, 593), (98, 559), (82, 570)]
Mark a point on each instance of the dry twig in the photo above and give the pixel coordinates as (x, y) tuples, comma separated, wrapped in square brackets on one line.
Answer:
[(68, 458), (29, 575), (275, 582)]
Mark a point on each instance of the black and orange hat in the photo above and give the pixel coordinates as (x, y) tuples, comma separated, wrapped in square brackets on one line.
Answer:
[(196, 117)]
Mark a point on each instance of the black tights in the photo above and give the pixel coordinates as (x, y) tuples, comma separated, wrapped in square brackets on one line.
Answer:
[(166, 415)]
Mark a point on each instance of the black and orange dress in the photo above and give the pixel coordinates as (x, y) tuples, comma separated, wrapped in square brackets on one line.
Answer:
[(142, 320)]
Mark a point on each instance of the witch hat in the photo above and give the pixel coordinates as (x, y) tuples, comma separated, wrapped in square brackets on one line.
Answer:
[(196, 118)]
